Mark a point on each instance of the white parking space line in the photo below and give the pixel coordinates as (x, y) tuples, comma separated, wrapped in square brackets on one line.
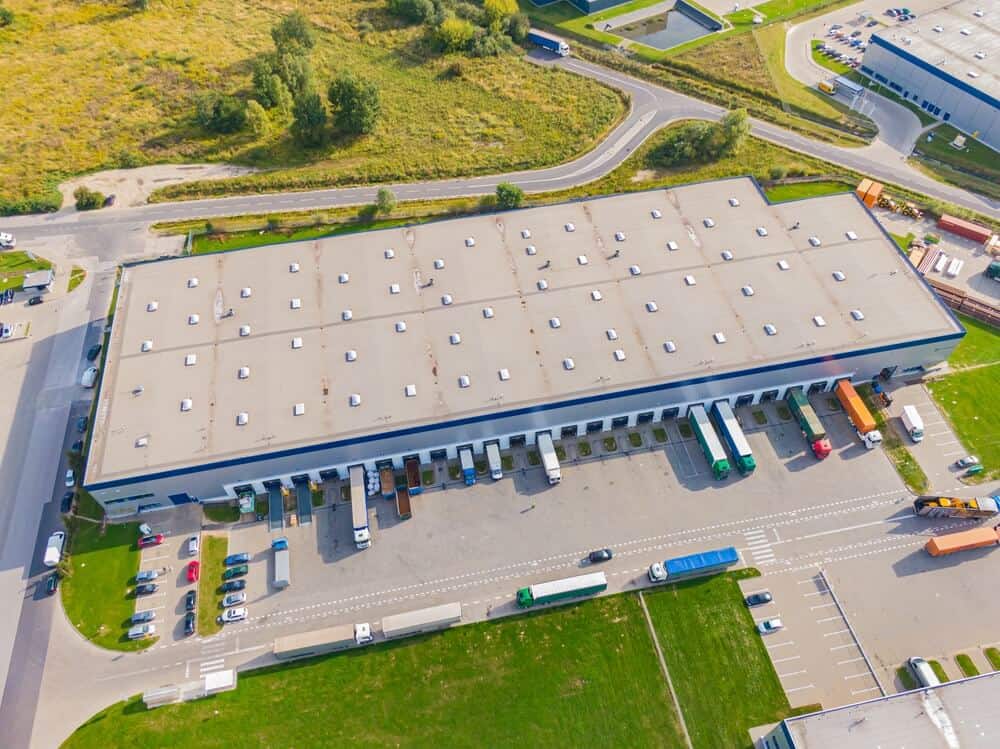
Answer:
[(154, 559), (807, 580), (798, 689), (828, 619), (948, 442), (759, 590), (791, 673), (841, 647), (862, 691), (955, 452), (857, 676), (769, 616), (779, 645), (785, 660), (816, 593), (824, 606), (850, 660), (838, 632)]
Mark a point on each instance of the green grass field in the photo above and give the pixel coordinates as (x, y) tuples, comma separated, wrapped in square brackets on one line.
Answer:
[(213, 550), (981, 345), (97, 596), (221, 512), (15, 263), (975, 167), (967, 397), (782, 193)]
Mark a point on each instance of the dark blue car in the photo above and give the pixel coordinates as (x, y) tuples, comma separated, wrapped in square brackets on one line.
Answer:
[(234, 559)]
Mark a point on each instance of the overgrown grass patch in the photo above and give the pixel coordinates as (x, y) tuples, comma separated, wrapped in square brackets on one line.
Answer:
[(659, 434), (635, 439), (610, 444), (507, 462), (906, 678), (534, 459), (214, 549), (221, 512), (799, 190), (981, 345), (583, 449), (427, 477)]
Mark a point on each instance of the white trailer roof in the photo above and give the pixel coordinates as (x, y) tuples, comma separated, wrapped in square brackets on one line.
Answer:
[(555, 587)]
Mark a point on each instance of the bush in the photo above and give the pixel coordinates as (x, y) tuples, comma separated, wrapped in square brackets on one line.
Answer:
[(703, 141), (517, 27), (498, 11), (385, 201), (220, 113), (309, 124), (88, 200), (294, 31), (357, 104), (139, 4), (257, 118), (416, 11), (778, 172), (454, 34), (268, 87), (509, 196), (6, 17), (488, 44)]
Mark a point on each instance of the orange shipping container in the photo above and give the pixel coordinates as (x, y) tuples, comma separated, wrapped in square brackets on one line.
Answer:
[(856, 409), (873, 194), (863, 187), (973, 539)]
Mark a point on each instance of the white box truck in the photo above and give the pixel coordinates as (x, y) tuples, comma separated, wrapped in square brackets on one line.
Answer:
[(282, 563), (493, 458), (53, 549), (422, 620), (359, 508), (913, 423), (549, 459)]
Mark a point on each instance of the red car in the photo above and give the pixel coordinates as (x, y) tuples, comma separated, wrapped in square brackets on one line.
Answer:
[(194, 569), (147, 541)]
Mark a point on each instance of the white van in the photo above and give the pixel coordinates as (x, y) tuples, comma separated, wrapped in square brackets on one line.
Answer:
[(493, 457), (53, 549), (923, 672), (89, 378)]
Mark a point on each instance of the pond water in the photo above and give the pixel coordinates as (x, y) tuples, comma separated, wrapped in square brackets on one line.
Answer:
[(663, 31)]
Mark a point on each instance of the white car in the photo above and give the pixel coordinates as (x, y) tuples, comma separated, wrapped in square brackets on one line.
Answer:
[(233, 615), (234, 599), (70, 478), (768, 626), (89, 378), (967, 462), (7, 241), (193, 546)]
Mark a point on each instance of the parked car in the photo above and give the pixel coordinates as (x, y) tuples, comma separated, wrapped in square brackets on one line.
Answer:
[(140, 617), (871, 23), (232, 615), (192, 546), (232, 585), (145, 529), (70, 478), (89, 378), (967, 462), (146, 589), (234, 559), (32, 301), (140, 631), (7, 240), (238, 571), (109, 201), (93, 352), (234, 599), (768, 626), (145, 576), (190, 600), (759, 599), (856, 33), (601, 555), (52, 583), (67, 502), (82, 423), (146, 541), (77, 446), (193, 571), (189, 620)]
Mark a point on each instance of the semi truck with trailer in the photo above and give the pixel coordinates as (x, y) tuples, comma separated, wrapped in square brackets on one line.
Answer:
[(468, 466), (950, 543), (421, 620), (709, 441), (692, 565), (954, 507), (550, 461), (359, 508), (548, 41), (913, 423), (858, 413), (809, 423), (732, 435), (412, 468), (320, 641), (558, 590), (282, 563), (493, 458)]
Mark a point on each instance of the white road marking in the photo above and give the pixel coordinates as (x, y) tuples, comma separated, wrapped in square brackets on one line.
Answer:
[(840, 530), (828, 619), (791, 673), (857, 676), (862, 691), (213, 662), (816, 593), (841, 647), (785, 660), (779, 645), (849, 660), (838, 632), (824, 606), (798, 689)]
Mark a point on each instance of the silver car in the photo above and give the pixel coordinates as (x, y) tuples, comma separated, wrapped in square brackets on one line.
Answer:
[(234, 599)]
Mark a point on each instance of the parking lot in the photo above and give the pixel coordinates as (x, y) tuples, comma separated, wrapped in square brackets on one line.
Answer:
[(171, 560)]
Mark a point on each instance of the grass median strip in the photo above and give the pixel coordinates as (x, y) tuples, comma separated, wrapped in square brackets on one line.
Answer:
[(966, 665), (906, 465), (993, 656), (213, 552)]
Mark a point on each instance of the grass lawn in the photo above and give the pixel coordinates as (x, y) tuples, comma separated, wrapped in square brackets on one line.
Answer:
[(208, 243), (97, 595), (906, 678), (76, 277), (993, 656), (87, 506), (213, 551), (737, 54), (975, 157), (829, 63), (144, 69), (221, 512), (578, 675), (981, 345), (720, 669), (963, 397), (781, 193), (966, 665), (902, 242), (15, 263)]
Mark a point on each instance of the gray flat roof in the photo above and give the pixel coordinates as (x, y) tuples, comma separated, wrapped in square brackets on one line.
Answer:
[(964, 713), (596, 283), (952, 38)]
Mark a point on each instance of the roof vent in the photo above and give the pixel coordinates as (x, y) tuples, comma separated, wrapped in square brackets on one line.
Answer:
[(190, 360), (619, 355), (464, 381), (814, 241), (245, 292), (295, 303), (761, 231), (526, 233), (389, 253), (504, 374), (651, 307), (193, 319), (783, 265), (530, 249), (964, 32), (296, 342), (612, 334), (635, 270), (582, 259), (851, 235), (690, 281), (719, 337), (857, 314), (401, 326), (979, 55), (596, 295), (293, 267), (142, 441), (839, 275), (656, 213), (487, 312), (192, 282), (734, 202), (244, 331), (346, 315), (670, 347), (410, 391), (554, 322), (619, 236), (242, 418), (672, 245), (152, 306), (243, 373), (747, 290), (394, 288), (569, 227), (727, 255), (709, 223), (819, 321), (146, 346), (186, 404), (344, 277), (973, 74), (569, 364), (446, 299), (354, 400), (455, 338), (978, 13), (138, 390), (542, 285), (470, 241), (938, 29), (351, 355), (770, 329), (298, 409), (439, 263)]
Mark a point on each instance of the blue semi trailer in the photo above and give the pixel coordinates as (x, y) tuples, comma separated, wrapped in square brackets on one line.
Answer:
[(548, 41), (704, 563)]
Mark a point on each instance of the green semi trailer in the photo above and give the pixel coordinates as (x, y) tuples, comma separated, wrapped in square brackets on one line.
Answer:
[(558, 590), (709, 441)]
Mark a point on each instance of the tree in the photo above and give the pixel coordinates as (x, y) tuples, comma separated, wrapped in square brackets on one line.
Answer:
[(488, 43), (454, 34), (309, 124), (295, 71), (257, 118), (416, 11), (139, 4), (357, 104), (509, 196), (87, 200), (294, 31), (517, 27), (6, 16), (385, 201), (220, 113), (498, 11), (734, 128)]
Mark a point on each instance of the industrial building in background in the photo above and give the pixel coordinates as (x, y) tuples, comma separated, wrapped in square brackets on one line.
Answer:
[(945, 62), (248, 371)]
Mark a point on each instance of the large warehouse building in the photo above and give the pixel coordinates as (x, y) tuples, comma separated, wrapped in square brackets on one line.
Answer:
[(946, 63), (239, 369)]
